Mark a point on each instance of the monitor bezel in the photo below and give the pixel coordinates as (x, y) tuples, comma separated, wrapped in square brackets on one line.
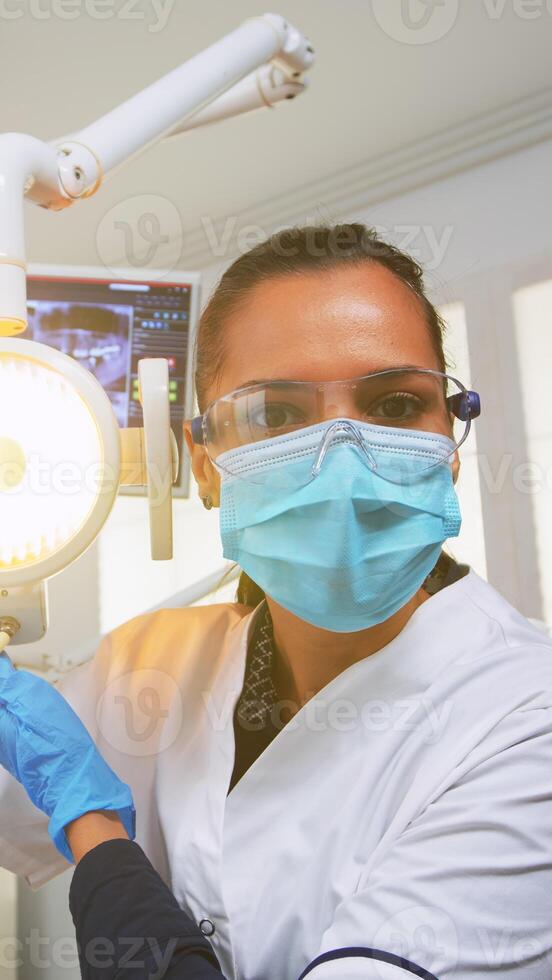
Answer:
[(157, 277)]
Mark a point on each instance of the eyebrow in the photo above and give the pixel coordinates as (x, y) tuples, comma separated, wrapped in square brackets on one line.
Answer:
[(378, 370)]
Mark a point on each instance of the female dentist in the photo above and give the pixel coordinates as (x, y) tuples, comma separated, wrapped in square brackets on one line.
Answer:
[(347, 773)]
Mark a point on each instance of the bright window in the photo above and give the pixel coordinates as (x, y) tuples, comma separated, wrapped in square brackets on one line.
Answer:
[(533, 316), (469, 546)]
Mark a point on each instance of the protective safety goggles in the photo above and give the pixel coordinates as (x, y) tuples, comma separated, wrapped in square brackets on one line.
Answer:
[(418, 412)]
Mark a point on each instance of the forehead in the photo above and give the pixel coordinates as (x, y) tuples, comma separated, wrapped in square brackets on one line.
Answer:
[(325, 326)]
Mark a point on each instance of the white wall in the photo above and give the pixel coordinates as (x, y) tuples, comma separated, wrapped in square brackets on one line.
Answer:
[(495, 214)]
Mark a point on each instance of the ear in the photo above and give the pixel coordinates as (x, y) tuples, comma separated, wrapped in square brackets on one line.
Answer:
[(205, 474), (455, 466)]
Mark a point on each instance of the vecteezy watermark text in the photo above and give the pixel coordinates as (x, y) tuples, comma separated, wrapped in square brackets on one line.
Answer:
[(424, 243), (154, 13), (140, 953)]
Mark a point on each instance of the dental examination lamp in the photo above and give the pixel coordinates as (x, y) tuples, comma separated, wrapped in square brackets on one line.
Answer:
[(62, 461), (62, 454)]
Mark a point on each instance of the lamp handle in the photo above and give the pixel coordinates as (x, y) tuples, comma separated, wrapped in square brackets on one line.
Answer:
[(23, 613), (153, 374)]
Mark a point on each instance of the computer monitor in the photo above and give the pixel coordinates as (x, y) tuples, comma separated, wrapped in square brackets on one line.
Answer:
[(108, 320)]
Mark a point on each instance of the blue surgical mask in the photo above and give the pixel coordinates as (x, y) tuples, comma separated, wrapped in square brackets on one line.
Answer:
[(342, 537)]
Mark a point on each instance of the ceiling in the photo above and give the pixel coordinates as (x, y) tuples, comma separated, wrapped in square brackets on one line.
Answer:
[(372, 93)]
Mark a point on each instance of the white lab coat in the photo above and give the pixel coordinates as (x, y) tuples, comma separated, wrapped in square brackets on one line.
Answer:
[(402, 821)]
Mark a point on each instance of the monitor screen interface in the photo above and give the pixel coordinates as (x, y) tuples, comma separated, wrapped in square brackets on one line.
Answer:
[(108, 326)]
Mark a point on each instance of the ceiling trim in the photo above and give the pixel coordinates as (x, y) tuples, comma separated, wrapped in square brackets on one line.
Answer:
[(479, 140)]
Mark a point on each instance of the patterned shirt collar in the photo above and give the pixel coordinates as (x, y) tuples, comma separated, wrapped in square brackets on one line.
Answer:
[(259, 694)]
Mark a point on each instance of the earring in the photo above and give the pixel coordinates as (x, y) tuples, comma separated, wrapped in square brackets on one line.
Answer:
[(207, 502)]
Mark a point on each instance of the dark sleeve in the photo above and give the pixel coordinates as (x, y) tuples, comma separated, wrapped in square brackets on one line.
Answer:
[(129, 923)]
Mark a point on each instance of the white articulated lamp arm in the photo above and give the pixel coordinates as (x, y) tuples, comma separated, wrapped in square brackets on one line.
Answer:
[(154, 112), (54, 175), (262, 89)]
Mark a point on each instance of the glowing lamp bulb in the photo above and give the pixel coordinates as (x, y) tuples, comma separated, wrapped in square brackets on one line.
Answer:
[(51, 444), (59, 460), (62, 458)]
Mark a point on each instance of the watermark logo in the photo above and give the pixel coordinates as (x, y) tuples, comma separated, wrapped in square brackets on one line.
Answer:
[(140, 713), (421, 934), (416, 21), (141, 232)]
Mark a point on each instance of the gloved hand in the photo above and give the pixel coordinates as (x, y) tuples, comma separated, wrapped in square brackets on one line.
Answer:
[(49, 751)]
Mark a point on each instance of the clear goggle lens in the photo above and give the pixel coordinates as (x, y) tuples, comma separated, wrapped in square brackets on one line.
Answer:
[(424, 414)]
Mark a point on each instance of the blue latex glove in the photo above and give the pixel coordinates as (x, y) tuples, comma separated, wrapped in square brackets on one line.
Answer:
[(49, 751)]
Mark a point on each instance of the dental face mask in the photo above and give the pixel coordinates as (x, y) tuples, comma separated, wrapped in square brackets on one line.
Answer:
[(340, 523)]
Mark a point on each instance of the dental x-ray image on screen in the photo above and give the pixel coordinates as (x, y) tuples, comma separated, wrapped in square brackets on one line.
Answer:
[(97, 336), (108, 323)]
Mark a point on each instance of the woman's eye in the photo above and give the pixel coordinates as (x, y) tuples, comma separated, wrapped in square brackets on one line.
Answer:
[(397, 407), (276, 415)]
